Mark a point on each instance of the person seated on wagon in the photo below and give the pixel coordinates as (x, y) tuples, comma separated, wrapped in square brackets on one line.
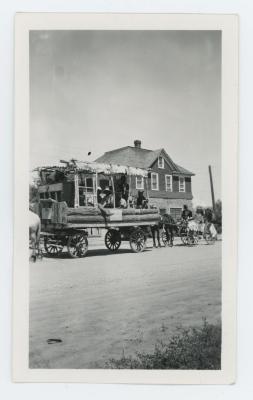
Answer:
[(199, 218), (124, 187), (186, 214), (141, 200), (133, 201), (99, 195), (145, 203), (209, 218), (107, 200), (122, 202)]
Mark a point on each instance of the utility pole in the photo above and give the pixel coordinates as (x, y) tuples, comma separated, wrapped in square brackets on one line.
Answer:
[(211, 184)]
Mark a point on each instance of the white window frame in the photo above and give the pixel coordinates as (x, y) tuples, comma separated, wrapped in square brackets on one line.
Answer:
[(179, 208), (159, 166), (157, 176), (139, 187), (182, 190), (168, 188)]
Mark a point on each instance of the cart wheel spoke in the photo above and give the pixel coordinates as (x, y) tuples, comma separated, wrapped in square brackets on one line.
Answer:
[(209, 239), (164, 239), (77, 245), (112, 239), (53, 245), (137, 241)]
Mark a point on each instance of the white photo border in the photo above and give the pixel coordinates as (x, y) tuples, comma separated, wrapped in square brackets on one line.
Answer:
[(228, 24)]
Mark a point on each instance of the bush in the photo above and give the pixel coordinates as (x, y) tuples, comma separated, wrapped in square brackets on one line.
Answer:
[(218, 216), (193, 348)]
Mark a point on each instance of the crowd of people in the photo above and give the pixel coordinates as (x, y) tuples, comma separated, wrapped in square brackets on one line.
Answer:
[(123, 198)]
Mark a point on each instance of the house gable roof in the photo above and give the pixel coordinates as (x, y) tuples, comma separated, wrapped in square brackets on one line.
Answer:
[(140, 158)]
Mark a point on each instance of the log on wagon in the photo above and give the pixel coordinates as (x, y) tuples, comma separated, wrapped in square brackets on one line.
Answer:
[(69, 205)]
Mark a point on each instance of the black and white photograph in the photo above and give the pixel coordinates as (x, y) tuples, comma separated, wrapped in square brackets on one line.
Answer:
[(125, 199)]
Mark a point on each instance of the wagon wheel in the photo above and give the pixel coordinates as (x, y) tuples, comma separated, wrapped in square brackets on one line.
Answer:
[(209, 238), (53, 246), (184, 236), (112, 240), (77, 245), (137, 241), (194, 238), (167, 242)]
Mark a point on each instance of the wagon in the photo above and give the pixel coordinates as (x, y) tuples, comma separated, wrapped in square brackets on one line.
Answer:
[(192, 237), (78, 196)]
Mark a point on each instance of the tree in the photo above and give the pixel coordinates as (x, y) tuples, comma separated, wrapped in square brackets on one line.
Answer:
[(218, 214)]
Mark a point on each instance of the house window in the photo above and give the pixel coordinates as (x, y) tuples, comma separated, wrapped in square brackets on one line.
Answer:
[(176, 213), (154, 181), (168, 183), (160, 162), (139, 182), (181, 184)]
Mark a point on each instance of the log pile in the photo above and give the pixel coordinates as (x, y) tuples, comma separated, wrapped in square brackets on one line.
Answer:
[(61, 214), (102, 215), (103, 219)]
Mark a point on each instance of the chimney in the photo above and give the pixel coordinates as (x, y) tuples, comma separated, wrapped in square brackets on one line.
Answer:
[(137, 144)]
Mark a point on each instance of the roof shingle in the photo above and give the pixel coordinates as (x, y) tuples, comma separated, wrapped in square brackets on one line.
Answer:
[(139, 157)]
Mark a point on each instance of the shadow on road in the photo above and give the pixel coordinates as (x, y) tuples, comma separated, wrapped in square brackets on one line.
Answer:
[(93, 253), (105, 252)]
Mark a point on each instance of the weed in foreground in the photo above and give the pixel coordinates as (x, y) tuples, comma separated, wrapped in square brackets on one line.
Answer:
[(192, 348)]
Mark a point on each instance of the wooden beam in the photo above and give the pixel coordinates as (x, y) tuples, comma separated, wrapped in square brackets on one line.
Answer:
[(76, 199)]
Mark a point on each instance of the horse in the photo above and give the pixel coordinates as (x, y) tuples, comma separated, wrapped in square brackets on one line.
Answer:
[(167, 223), (155, 231), (34, 234)]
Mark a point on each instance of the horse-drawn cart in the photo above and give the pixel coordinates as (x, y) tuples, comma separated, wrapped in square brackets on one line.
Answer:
[(71, 201), (190, 232)]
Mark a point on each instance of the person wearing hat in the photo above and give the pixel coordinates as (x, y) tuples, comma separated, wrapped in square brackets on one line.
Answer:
[(122, 202), (99, 195), (107, 199), (124, 187), (107, 190), (186, 214), (140, 199)]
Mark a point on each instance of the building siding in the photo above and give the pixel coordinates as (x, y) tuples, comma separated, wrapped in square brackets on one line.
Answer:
[(162, 193), (176, 184), (170, 195), (188, 184), (168, 204), (160, 198)]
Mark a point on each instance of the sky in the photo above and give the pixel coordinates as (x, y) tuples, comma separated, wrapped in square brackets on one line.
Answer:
[(94, 91)]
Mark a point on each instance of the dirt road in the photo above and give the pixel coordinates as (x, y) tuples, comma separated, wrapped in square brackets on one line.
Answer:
[(106, 304)]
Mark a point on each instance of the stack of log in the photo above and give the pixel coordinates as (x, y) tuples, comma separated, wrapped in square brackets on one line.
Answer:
[(102, 215), (61, 214)]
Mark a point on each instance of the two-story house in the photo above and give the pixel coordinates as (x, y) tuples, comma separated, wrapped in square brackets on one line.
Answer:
[(169, 185)]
